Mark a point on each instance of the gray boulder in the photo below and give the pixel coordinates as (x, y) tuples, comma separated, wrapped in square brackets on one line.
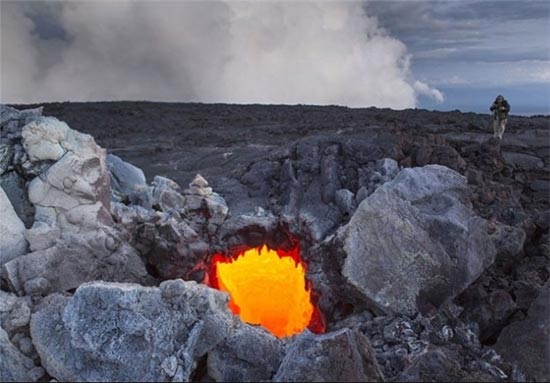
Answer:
[(76, 258), (171, 246), (167, 194), (128, 182), (249, 354), (12, 240), (14, 365), (341, 356), (527, 342), (415, 242), (126, 332)]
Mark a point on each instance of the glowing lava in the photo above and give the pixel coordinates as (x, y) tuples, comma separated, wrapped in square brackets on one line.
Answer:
[(268, 288)]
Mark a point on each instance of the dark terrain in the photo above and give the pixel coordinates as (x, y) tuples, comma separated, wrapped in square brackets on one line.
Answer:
[(179, 140), (297, 160), (510, 180)]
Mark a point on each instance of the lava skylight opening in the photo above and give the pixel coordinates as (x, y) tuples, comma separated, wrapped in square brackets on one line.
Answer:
[(269, 288)]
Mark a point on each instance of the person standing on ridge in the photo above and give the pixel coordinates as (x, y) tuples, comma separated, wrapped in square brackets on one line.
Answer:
[(500, 109)]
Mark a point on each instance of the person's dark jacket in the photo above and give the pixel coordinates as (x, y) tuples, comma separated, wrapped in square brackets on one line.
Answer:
[(501, 108)]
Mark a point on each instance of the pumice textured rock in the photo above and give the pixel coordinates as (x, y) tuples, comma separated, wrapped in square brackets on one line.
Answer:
[(424, 242), (124, 332)]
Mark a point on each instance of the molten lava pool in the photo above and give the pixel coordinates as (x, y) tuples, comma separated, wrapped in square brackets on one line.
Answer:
[(268, 288)]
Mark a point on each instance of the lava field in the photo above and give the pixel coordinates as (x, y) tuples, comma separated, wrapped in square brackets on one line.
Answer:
[(212, 242)]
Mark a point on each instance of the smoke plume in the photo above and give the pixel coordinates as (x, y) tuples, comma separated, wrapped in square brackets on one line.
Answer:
[(235, 52)]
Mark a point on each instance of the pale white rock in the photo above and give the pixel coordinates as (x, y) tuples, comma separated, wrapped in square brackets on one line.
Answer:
[(199, 181), (42, 235), (73, 238), (72, 195), (43, 139), (83, 217), (47, 138)]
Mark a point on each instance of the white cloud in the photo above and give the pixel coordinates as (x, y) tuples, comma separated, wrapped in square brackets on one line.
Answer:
[(263, 52)]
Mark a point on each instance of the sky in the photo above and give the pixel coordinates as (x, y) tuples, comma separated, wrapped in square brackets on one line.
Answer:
[(443, 55)]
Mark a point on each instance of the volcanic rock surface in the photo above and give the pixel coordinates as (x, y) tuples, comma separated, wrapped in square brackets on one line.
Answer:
[(418, 229), (426, 241)]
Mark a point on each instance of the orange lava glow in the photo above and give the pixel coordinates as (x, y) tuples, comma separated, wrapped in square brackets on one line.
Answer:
[(268, 288)]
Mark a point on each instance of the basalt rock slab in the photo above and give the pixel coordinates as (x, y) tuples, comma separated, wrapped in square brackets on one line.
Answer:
[(527, 342), (523, 161), (12, 240), (341, 356), (416, 242), (126, 332)]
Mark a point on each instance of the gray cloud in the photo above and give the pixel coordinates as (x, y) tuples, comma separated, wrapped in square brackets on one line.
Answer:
[(264, 52), (489, 46), (468, 30)]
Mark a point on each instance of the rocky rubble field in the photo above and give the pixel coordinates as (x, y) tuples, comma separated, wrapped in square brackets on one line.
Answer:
[(426, 242)]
